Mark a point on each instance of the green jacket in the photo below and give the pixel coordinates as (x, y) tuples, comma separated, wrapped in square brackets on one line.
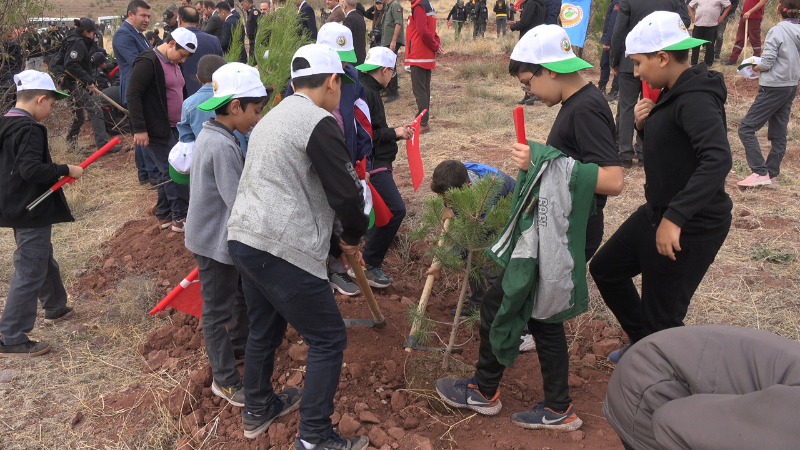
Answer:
[(543, 247)]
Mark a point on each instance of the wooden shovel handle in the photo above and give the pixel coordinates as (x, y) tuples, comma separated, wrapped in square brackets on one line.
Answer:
[(365, 288)]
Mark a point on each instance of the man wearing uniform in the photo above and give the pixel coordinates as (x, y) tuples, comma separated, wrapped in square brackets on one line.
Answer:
[(170, 20), (501, 16), (392, 36), (51, 41), (251, 24)]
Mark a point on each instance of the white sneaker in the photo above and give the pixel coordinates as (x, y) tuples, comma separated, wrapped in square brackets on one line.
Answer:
[(527, 344), (755, 180)]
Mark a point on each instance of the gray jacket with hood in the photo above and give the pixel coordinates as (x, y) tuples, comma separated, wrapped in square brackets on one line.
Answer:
[(780, 59)]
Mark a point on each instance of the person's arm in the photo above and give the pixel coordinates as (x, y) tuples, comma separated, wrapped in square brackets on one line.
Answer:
[(526, 17), (185, 131), (29, 160), (725, 13), (621, 29), (759, 5), (370, 13), (691, 10), (772, 44), (227, 167), (420, 19), (142, 79), (72, 63), (331, 160)]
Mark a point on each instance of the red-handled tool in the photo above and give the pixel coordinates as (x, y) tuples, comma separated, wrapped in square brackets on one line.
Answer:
[(519, 124), (69, 179)]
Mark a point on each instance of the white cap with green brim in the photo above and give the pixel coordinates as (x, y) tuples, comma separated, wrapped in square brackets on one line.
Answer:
[(378, 57), (660, 30), (322, 59), (548, 46), (339, 38), (185, 39), (233, 80), (33, 79)]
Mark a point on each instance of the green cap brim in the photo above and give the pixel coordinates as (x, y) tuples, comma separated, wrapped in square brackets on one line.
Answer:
[(346, 79), (367, 67), (742, 66), (348, 56), (214, 103), (686, 43), (567, 65), (180, 178), (60, 95)]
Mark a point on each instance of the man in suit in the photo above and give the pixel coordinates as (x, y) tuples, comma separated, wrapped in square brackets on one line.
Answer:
[(337, 13), (213, 24), (228, 27), (128, 43), (630, 13), (355, 22), (188, 18), (307, 19)]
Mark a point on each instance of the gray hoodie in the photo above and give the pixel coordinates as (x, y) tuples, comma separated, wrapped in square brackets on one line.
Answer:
[(217, 164), (780, 58)]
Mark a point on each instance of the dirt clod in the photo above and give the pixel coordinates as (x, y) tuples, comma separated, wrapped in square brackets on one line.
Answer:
[(606, 346)]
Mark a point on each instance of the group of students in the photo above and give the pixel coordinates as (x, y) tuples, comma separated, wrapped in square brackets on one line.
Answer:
[(264, 228)]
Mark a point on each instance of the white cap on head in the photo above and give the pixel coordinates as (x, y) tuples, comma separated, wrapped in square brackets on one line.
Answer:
[(548, 46), (322, 60), (378, 57), (185, 39), (33, 79), (233, 80), (339, 38), (659, 30)]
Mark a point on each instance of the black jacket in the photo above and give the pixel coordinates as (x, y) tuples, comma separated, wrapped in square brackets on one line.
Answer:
[(227, 37), (481, 12), (534, 13), (147, 98), (458, 13), (687, 155), (77, 53), (384, 139), (28, 171), (355, 22), (213, 26), (630, 13), (308, 20)]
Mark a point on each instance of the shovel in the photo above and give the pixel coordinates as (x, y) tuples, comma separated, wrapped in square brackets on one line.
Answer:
[(377, 321)]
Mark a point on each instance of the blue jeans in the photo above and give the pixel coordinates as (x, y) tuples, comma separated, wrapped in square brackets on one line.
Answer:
[(36, 276), (144, 164), (278, 292), (173, 198), (382, 237)]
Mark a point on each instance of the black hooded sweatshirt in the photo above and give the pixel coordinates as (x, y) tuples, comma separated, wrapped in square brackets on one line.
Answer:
[(27, 172), (687, 155)]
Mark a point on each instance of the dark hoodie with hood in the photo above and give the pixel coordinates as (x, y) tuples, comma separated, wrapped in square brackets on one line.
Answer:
[(77, 60), (27, 172), (687, 155)]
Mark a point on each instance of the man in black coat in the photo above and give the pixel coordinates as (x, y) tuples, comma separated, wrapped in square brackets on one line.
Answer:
[(212, 25), (355, 22), (307, 19)]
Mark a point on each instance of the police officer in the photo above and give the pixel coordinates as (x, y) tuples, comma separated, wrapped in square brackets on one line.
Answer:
[(251, 25), (77, 69), (51, 42)]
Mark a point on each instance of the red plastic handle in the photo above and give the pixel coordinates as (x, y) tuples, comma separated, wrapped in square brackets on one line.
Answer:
[(519, 125), (648, 92), (68, 179)]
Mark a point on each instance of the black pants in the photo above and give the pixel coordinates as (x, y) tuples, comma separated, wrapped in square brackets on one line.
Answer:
[(551, 340), (394, 85), (667, 286), (421, 85), (709, 34), (605, 72)]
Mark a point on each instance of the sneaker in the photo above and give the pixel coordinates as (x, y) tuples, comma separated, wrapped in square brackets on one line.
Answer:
[(336, 442), (613, 94), (233, 394), (541, 417), (626, 163), (64, 314), (616, 355), (166, 223), (144, 180), (343, 284), (755, 180), (285, 402), (179, 226), (527, 343), (24, 350), (376, 277), (465, 394)]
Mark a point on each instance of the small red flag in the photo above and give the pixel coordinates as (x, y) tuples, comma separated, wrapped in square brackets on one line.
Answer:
[(519, 125), (648, 92), (185, 297), (414, 155)]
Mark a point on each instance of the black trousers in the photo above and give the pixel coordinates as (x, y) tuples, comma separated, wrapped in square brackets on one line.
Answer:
[(551, 339), (667, 286), (709, 34)]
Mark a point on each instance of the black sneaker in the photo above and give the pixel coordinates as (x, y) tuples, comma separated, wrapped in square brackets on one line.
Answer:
[(336, 442), (285, 402), (24, 350), (233, 394), (65, 313)]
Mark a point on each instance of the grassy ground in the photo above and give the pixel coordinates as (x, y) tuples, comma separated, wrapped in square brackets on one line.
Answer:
[(753, 282)]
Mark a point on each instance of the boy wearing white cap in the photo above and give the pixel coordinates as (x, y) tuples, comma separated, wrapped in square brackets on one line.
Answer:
[(297, 176), (28, 171), (545, 64), (155, 96), (352, 115), (217, 164), (376, 73), (673, 238)]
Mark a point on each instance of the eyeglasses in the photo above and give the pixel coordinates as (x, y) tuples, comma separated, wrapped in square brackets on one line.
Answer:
[(526, 85)]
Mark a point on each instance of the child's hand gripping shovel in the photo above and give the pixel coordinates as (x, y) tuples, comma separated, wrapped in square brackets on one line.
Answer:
[(69, 179)]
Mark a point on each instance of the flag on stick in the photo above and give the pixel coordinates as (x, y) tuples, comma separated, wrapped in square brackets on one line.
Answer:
[(185, 297), (519, 125), (414, 155)]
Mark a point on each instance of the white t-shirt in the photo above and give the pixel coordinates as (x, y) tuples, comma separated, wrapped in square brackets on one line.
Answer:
[(708, 11)]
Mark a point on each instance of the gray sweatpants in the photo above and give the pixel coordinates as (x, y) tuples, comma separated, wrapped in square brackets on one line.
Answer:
[(36, 276), (707, 387), (773, 105)]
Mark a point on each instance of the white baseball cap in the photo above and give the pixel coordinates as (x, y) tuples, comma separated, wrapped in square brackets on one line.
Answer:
[(233, 80), (548, 46), (33, 79), (322, 59), (339, 38), (378, 57), (745, 69), (185, 39), (660, 30)]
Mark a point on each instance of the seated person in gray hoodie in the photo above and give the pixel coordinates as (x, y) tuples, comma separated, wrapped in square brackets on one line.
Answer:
[(217, 164)]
